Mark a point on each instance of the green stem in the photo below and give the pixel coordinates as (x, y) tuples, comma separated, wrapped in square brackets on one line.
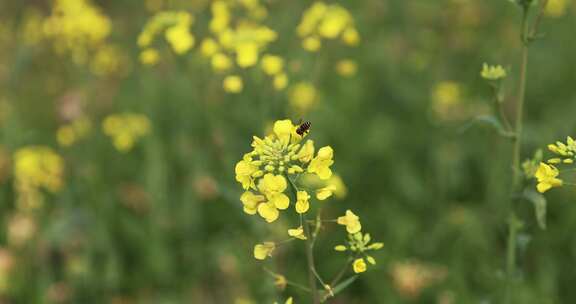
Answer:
[(516, 154), (309, 250)]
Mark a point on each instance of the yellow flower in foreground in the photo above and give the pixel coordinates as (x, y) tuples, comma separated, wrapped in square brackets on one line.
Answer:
[(359, 265), (245, 170), (297, 233), (251, 202), (302, 204), (493, 72), (547, 177), (273, 187), (268, 211), (322, 162), (264, 250), (351, 221), (307, 152), (233, 84)]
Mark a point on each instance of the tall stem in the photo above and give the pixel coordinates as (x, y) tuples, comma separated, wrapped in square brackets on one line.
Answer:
[(310, 261), (516, 154), (309, 249)]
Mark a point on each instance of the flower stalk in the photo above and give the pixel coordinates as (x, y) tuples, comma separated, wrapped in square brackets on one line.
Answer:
[(528, 34)]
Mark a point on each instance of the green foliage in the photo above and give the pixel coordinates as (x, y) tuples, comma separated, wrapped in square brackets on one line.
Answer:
[(162, 223)]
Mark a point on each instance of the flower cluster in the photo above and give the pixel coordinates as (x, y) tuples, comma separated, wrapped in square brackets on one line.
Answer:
[(275, 161), (36, 168), (492, 72), (174, 26), (358, 243), (76, 27), (547, 173), (238, 42), (69, 134), (326, 21), (125, 129)]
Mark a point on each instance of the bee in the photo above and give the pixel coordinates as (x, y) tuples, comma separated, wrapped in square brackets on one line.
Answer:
[(303, 128)]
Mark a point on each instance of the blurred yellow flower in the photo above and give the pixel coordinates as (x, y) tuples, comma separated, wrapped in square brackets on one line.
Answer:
[(149, 56), (328, 21), (180, 38), (233, 84), (280, 81), (346, 68), (272, 65), (107, 60), (209, 47), (76, 27), (221, 62), (302, 97), (351, 221), (446, 93), (264, 250), (175, 25), (557, 8), (126, 129), (547, 177), (493, 72), (38, 167), (69, 134), (311, 44)]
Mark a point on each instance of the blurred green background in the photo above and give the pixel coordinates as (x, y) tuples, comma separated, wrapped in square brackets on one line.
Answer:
[(161, 220)]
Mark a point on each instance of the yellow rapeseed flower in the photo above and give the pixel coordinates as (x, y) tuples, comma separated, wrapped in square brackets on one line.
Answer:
[(326, 192), (359, 265), (302, 204), (322, 162), (264, 250), (273, 165), (547, 177), (351, 221), (297, 233), (492, 72)]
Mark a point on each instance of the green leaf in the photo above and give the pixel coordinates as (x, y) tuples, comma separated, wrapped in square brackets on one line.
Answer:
[(489, 120), (539, 202)]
